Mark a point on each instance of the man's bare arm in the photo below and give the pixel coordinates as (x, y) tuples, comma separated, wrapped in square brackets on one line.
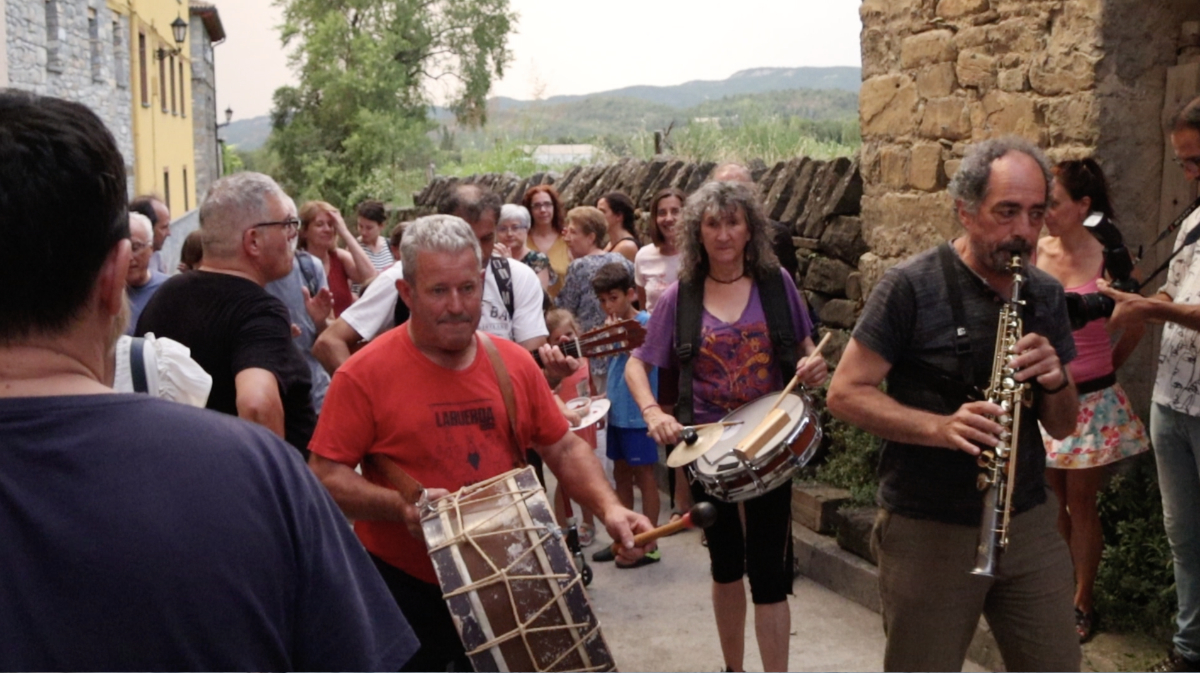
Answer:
[(854, 396), (258, 398), (332, 346)]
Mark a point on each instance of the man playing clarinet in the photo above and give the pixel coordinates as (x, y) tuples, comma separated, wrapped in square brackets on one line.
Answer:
[(929, 329)]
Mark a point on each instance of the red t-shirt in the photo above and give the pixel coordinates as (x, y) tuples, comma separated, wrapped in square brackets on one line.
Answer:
[(447, 429)]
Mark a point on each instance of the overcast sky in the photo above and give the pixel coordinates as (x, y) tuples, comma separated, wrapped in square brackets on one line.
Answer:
[(581, 47)]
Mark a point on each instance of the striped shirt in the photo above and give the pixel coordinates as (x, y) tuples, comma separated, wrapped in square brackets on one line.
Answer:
[(382, 259)]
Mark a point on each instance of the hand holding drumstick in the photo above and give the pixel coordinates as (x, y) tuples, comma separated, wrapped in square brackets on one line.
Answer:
[(812, 370)]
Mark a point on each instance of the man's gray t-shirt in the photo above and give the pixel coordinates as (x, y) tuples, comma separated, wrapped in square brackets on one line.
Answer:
[(287, 290), (908, 321)]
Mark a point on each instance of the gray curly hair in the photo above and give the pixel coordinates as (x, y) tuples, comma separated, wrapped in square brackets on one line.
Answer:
[(970, 182), (715, 199), (435, 233)]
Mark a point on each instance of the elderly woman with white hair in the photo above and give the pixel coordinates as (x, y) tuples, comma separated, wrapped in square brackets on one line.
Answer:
[(512, 240)]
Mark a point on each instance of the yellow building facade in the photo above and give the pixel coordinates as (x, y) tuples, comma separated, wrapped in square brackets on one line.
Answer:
[(160, 73)]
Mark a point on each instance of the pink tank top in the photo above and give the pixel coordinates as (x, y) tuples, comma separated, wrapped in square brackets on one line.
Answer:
[(1093, 348)]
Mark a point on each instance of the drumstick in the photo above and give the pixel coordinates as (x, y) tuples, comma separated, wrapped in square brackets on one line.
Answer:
[(796, 378), (701, 515)]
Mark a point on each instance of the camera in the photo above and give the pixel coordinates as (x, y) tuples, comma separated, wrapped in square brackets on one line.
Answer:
[(1084, 308)]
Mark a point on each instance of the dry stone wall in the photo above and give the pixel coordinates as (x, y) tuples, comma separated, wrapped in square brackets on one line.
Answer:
[(818, 200)]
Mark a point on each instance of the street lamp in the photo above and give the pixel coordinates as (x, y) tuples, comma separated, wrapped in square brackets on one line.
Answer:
[(179, 29)]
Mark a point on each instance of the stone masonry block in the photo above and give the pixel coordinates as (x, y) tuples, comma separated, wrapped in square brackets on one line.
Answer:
[(846, 196), (1056, 74), (932, 46), (1073, 119), (1021, 35), (972, 37), (843, 239), (900, 225), (946, 118), (925, 167), (1010, 113), (880, 52), (828, 196), (936, 81), (1013, 79), (783, 187), (976, 69), (854, 286), (827, 276), (887, 106), (841, 313), (951, 167), (802, 183), (699, 175), (953, 9), (893, 166)]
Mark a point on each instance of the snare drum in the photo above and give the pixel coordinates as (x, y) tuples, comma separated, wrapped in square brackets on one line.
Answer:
[(507, 576), (729, 477)]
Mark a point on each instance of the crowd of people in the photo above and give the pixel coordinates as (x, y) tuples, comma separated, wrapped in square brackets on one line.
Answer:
[(148, 533)]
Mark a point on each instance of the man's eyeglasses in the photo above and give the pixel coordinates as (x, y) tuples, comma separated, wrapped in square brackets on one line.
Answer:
[(292, 223), (1188, 163), (138, 246)]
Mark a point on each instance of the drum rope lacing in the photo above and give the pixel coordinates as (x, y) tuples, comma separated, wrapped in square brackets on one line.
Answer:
[(580, 633)]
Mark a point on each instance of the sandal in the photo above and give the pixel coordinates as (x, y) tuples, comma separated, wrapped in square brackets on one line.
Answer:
[(1084, 624), (650, 557), (587, 535), (676, 515)]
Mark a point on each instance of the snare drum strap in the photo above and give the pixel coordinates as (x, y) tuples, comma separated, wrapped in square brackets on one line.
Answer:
[(506, 391)]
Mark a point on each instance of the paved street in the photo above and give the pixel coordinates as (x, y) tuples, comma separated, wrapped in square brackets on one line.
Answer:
[(659, 617)]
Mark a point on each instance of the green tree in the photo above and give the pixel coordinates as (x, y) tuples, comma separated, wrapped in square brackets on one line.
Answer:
[(360, 114)]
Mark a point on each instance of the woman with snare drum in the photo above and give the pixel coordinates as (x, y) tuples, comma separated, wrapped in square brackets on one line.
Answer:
[(725, 246)]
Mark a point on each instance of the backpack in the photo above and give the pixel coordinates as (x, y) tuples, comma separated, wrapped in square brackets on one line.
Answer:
[(689, 313)]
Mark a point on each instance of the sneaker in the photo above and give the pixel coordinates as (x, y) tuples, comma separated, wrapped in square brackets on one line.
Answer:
[(587, 535), (1175, 662), (650, 557), (604, 555)]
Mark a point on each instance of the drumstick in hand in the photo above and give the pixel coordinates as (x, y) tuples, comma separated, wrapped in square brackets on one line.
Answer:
[(796, 379), (701, 515)]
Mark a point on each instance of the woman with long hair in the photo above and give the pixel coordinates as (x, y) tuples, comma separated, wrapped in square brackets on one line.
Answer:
[(725, 248), (1107, 429), (320, 227), (546, 234), (622, 224), (656, 264)]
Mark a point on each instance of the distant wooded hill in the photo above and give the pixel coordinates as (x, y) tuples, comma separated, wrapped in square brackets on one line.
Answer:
[(810, 93)]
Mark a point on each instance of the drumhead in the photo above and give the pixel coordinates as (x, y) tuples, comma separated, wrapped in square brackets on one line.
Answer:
[(719, 458)]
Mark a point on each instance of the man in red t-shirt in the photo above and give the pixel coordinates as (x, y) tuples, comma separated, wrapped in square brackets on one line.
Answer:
[(426, 396)]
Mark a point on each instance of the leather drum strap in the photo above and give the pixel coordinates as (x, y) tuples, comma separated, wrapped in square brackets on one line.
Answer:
[(506, 391)]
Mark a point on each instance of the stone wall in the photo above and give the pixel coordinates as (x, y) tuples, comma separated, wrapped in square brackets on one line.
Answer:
[(74, 61), (204, 106), (1078, 77), (817, 200)]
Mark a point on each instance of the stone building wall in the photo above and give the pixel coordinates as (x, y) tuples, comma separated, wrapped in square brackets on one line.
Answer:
[(1078, 77), (204, 105), (817, 200), (76, 59)]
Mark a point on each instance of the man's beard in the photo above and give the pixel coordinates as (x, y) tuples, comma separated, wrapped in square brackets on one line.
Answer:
[(999, 258)]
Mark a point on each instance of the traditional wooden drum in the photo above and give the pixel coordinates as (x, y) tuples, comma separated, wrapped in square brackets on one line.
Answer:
[(508, 579)]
